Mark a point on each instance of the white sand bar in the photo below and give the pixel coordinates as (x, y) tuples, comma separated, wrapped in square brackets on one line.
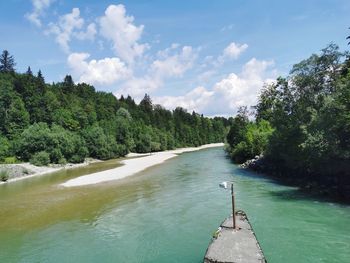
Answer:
[(40, 170), (133, 166)]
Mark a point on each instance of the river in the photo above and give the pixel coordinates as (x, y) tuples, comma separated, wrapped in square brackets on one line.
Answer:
[(164, 214)]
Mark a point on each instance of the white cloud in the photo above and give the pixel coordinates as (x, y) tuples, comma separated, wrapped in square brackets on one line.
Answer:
[(101, 72), (119, 28), (173, 65), (70, 25), (233, 50), (39, 7), (89, 34), (138, 72), (227, 28), (227, 94), (172, 62), (194, 100), (241, 89), (138, 86), (206, 76)]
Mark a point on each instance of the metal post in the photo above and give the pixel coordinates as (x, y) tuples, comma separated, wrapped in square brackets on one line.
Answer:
[(233, 208)]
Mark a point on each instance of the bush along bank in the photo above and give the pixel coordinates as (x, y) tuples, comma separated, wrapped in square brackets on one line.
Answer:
[(301, 126)]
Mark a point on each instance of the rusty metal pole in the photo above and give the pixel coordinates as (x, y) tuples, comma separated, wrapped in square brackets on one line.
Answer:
[(233, 208)]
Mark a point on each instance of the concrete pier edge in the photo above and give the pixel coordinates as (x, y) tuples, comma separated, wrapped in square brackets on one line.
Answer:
[(229, 246)]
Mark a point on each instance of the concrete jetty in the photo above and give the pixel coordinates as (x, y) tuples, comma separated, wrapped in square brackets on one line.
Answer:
[(233, 246)]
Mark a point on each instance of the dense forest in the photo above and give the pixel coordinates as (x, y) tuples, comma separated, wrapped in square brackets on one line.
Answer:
[(67, 122), (301, 129)]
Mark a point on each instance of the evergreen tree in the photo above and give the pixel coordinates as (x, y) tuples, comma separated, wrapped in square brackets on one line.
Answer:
[(40, 76), (17, 118), (7, 62), (29, 71), (68, 84), (146, 103), (64, 121)]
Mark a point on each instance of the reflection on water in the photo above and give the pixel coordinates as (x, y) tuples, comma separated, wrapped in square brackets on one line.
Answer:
[(164, 214)]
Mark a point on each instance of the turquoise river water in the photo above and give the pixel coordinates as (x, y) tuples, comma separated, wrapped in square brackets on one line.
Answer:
[(164, 214)]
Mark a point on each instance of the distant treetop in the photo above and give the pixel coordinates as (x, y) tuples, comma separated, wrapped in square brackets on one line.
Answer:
[(7, 62)]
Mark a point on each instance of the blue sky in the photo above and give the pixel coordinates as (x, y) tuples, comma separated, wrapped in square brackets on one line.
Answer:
[(208, 56)]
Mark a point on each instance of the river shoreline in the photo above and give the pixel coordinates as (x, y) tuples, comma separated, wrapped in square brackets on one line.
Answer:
[(325, 188), (133, 165), (23, 171), (166, 212)]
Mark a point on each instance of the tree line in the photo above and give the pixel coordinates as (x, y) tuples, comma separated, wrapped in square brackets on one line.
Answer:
[(302, 123), (67, 122)]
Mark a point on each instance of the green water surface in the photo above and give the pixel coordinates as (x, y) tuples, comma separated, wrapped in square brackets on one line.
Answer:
[(164, 214)]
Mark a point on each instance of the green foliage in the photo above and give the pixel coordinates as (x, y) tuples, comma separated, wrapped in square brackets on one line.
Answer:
[(143, 142), (10, 160), (17, 118), (7, 62), (64, 118), (98, 143), (124, 114), (56, 155), (4, 148), (34, 139), (253, 140), (238, 128), (4, 175), (123, 128), (40, 159), (56, 141), (216, 234), (62, 161), (310, 116), (309, 112), (12, 109), (72, 121)]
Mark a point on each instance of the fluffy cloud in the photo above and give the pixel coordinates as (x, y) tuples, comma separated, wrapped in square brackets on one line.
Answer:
[(233, 50), (195, 100), (138, 86), (227, 94), (68, 26), (230, 52), (119, 28), (39, 7), (241, 89), (172, 62), (101, 72), (173, 65), (89, 34), (138, 72)]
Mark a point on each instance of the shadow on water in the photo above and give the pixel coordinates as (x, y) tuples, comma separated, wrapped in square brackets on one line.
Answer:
[(294, 191), (303, 194)]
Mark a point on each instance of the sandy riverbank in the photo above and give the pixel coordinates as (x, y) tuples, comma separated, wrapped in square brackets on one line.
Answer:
[(133, 166), (22, 171)]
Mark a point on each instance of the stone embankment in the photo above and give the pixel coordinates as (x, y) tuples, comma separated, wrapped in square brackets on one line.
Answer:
[(256, 164)]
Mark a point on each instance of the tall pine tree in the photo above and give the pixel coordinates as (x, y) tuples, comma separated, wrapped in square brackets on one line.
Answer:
[(29, 72), (7, 62)]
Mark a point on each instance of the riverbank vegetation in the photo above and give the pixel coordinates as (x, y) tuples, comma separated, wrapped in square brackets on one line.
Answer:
[(302, 124), (67, 122)]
